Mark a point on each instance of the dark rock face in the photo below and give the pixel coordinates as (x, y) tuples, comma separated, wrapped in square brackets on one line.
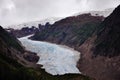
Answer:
[(108, 41)]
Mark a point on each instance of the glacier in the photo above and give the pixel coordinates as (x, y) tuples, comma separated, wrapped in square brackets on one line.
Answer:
[(56, 59)]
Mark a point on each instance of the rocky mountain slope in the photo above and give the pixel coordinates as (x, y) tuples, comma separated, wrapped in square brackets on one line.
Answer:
[(101, 58)]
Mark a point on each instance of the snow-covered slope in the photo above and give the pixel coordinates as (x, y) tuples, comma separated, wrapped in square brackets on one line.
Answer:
[(104, 13), (35, 23), (56, 59)]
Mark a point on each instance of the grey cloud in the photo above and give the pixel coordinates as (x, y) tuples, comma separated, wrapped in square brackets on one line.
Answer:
[(18, 11)]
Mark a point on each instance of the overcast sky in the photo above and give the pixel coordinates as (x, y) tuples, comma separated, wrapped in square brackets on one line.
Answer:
[(19, 11)]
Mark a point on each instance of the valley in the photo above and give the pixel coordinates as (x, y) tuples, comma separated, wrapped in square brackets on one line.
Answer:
[(83, 46)]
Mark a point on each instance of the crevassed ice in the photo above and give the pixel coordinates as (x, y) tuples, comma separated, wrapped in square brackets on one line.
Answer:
[(56, 59)]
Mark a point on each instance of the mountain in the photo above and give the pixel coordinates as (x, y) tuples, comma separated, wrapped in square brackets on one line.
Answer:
[(71, 31), (101, 51), (104, 13), (18, 64), (95, 37)]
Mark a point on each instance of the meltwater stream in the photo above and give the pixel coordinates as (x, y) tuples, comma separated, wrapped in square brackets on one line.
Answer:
[(56, 59)]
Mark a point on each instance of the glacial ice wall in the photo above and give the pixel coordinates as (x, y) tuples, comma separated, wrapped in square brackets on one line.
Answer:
[(56, 59)]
